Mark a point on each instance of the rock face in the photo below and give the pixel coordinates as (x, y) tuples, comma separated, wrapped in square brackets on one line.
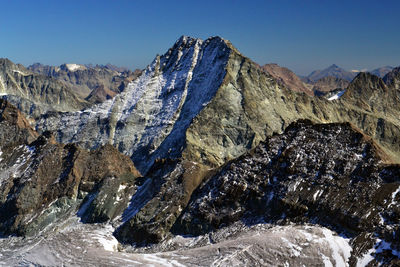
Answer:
[(15, 129), (333, 71), (288, 79), (43, 182), (35, 94), (95, 83), (328, 174), (392, 79), (328, 84)]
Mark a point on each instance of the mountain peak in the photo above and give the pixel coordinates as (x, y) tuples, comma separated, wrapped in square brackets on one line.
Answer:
[(333, 70), (333, 66)]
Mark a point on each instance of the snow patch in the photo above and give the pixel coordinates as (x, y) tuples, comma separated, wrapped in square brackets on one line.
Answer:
[(74, 67), (121, 187), (20, 72), (341, 250), (393, 195), (106, 239), (379, 247), (336, 96)]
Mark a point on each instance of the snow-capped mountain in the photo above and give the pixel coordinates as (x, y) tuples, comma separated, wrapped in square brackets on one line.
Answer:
[(164, 99)]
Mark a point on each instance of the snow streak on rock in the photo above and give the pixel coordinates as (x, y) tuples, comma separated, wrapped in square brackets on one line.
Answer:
[(149, 119)]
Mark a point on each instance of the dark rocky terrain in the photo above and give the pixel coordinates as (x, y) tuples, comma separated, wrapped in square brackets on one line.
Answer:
[(392, 78), (44, 182), (326, 174)]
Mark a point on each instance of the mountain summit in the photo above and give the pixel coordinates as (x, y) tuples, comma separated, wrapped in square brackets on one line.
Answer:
[(334, 71)]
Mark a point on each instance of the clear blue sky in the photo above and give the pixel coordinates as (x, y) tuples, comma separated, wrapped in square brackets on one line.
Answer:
[(302, 35)]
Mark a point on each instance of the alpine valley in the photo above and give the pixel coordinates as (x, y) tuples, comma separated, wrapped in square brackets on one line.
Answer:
[(204, 158)]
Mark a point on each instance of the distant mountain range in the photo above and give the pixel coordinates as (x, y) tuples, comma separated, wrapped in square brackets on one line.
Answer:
[(319, 82), (333, 71), (338, 72), (86, 80)]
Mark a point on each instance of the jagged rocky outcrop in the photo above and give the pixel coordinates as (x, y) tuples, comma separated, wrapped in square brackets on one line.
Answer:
[(36, 94), (44, 182), (330, 174), (15, 128), (94, 83), (288, 78)]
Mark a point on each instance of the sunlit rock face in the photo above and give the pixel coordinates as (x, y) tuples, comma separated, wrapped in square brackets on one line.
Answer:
[(35, 94)]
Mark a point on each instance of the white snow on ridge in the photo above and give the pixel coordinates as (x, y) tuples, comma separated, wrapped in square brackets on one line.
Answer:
[(2, 86), (20, 72), (341, 250), (105, 238), (394, 194), (74, 67), (379, 247), (336, 96)]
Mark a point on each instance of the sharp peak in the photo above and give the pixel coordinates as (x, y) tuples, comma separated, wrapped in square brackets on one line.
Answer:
[(6, 61), (185, 39), (334, 66), (362, 76)]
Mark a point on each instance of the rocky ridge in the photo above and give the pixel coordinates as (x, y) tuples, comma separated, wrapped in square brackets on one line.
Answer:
[(392, 79), (94, 83), (288, 79), (328, 84), (382, 71), (35, 94)]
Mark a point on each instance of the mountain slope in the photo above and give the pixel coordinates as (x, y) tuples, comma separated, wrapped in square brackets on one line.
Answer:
[(287, 78), (329, 83), (382, 71), (43, 182), (83, 80), (36, 94), (329, 174), (392, 78)]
